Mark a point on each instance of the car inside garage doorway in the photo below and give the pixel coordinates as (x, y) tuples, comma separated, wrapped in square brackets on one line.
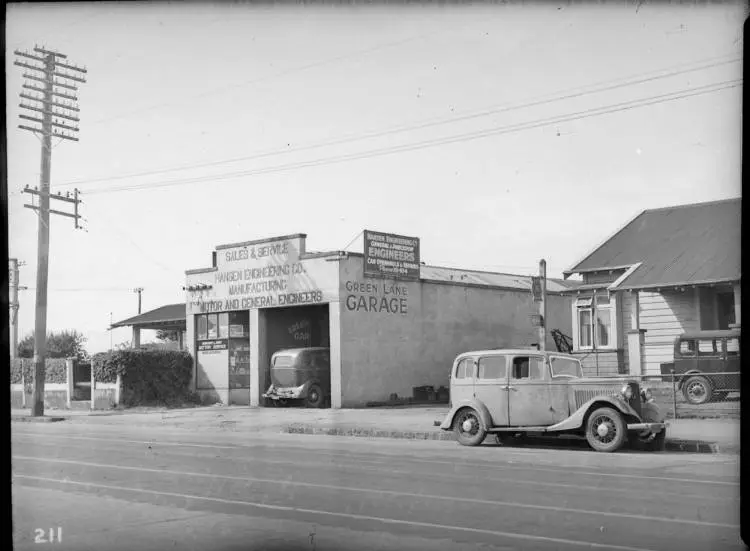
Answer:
[(294, 328)]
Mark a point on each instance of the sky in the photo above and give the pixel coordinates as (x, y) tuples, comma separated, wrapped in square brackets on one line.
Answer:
[(497, 134)]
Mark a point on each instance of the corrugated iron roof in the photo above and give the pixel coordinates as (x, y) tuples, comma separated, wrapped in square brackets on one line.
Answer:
[(171, 313), (492, 279), (686, 244)]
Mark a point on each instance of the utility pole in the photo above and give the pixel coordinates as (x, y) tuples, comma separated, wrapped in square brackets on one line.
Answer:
[(543, 306), (13, 279), (138, 290), (55, 106)]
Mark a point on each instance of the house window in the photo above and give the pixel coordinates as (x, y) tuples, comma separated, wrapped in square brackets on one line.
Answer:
[(584, 322), (603, 322), (595, 322)]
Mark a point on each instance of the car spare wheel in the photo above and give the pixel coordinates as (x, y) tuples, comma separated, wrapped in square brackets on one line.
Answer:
[(606, 430), (468, 427), (315, 398)]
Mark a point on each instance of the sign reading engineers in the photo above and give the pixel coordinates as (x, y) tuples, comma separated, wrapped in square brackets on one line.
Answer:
[(391, 256)]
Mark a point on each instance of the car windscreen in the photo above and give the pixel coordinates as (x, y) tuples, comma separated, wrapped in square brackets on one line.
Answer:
[(565, 367), (283, 361)]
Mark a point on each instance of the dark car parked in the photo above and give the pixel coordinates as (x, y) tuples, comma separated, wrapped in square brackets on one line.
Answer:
[(706, 365), (301, 374)]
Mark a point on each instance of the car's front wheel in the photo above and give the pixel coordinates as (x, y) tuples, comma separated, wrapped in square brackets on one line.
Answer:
[(606, 430), (468, 427)]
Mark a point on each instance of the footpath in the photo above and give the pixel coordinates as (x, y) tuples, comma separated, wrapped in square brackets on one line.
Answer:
[(688, 435)]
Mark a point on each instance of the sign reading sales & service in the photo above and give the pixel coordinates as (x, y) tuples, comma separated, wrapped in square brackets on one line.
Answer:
[(391, 256)]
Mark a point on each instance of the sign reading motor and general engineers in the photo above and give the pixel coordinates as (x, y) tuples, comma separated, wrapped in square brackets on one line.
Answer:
[(391, 256)]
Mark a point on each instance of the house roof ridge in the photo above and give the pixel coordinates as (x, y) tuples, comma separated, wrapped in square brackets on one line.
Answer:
[(696, 204)]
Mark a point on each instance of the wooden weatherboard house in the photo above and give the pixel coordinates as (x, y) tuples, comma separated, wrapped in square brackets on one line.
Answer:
[(667, 271)]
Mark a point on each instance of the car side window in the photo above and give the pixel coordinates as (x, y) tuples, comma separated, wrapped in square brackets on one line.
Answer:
[(528, 368), (733, 346), (465, 369), (707, 347), (687, 348), (492, 367)]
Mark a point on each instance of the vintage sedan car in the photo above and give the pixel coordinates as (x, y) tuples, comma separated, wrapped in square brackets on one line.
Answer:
[(520, 391), (300, 374), (705, 365)]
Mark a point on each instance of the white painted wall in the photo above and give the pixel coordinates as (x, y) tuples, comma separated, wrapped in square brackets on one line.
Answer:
[(665, 315)]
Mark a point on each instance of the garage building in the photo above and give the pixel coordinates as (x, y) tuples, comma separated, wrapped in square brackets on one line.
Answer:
[(386, 335)]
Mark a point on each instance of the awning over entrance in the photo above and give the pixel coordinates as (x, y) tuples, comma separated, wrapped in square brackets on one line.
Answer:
[(167, 318)]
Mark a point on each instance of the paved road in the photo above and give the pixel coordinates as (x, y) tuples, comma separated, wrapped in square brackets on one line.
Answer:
[(153, 488)]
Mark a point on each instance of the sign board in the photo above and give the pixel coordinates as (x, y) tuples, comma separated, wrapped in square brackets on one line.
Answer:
[(262, 274), (204, 346), (536, 288), (391, 256)]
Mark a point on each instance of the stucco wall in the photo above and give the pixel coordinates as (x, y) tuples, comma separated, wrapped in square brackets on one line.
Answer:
[(412, 338), (275, 272)]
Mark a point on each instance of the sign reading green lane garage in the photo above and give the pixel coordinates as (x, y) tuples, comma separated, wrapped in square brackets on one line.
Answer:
[(391, 256)]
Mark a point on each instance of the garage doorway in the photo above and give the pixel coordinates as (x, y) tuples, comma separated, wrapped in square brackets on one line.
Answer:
[(292, 327)]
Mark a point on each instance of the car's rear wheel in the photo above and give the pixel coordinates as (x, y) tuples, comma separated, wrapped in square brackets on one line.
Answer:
[(315, 398), (606, 430), (697, 390), (468, 427)]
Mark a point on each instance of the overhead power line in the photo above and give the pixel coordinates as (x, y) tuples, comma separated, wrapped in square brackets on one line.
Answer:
[(570, 93), (495, 131), (282, 73)]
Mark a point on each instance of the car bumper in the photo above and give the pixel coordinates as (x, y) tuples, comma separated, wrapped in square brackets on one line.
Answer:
[(651, 427), (284, 393)]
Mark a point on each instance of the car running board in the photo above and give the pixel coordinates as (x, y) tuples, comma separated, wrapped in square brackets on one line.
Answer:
[(518, 429)]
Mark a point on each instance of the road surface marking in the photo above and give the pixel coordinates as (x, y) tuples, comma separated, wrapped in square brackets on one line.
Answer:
[(385, 520), (647, 518), (456, 476), (567, 469)]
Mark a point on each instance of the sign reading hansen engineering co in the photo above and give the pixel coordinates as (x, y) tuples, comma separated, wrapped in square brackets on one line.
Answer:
[(391, 256)]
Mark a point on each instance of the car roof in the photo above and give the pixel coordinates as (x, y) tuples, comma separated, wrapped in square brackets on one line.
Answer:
[(714, 334), (514, 352), (295, 351)]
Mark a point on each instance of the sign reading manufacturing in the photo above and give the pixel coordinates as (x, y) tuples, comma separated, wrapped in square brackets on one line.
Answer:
[(391, 256)]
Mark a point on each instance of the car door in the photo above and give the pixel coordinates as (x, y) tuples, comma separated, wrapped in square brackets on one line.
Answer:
[(732, 362), (491, 387), (462, 380), (711, 359), (528, 392), (685, 357)]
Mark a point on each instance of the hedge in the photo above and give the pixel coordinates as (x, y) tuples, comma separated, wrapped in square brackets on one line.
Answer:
[(148, 376), (55, 367)]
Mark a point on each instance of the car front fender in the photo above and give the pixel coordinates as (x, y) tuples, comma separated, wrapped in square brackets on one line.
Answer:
[(575, 421), (481, 409)]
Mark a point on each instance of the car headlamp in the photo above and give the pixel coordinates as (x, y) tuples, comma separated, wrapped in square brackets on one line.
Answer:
[(627, 392)]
